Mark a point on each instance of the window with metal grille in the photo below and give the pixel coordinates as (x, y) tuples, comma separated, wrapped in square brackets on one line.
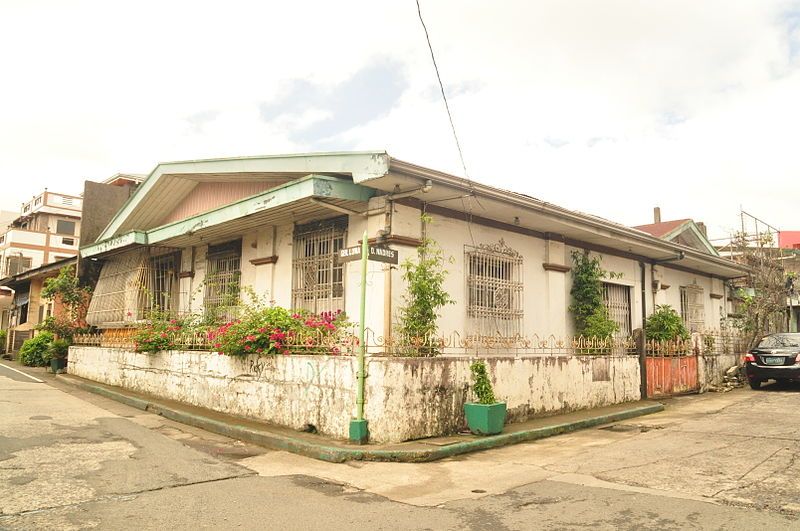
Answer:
[(163, 282), (494, 290), (692, 308), (131, 285), (317, 276), (617, 299), (223, 276)]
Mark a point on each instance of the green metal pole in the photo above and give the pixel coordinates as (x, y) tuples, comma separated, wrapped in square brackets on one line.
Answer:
[(363, 345), (359, 433)]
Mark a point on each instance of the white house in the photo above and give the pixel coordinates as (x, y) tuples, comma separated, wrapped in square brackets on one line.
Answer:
[(196, 232)]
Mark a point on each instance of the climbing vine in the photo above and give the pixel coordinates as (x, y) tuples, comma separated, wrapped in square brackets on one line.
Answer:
[(588, 308)]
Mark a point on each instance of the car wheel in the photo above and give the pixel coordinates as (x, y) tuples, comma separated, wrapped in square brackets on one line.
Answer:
[(754, 384)]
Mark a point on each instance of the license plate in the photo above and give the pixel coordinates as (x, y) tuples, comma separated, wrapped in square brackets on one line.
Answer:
[(773, 361)]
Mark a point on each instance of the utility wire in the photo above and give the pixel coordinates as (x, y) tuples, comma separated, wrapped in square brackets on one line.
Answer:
[(467, 180)]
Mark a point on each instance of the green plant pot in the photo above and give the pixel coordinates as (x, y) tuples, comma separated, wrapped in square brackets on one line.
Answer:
[(485, 419), (58, 364)]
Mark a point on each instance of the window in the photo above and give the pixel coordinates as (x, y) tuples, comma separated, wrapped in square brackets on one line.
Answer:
[(317, 275), (2, 239), (692, 308), (37, 201), (617, 299), (494, 290), (162, 282), (68, 241), (17, 264), (65, 227), (222, 278)]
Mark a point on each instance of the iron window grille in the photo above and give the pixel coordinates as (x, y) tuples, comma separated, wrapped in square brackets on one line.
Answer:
[(617, 300), (317, 275), (134, 284), (223, 279), (494, 290)]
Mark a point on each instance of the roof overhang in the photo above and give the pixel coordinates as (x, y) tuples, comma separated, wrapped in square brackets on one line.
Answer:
[(377, 171), (296, 201), (520, 211), (175, 180), (42, 271)]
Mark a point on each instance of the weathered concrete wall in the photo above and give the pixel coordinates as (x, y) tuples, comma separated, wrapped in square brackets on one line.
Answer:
[(292, 391), (406, 398), (411, 398), (712, 368)]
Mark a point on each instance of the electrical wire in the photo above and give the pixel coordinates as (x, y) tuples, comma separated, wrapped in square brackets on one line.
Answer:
[(467, 181)]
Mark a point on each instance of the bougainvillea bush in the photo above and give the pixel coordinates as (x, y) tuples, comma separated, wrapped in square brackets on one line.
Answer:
[(276, 330), (260, 330), (157, 333)]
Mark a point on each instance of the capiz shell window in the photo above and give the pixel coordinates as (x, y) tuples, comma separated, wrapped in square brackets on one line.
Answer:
[(494, 290)]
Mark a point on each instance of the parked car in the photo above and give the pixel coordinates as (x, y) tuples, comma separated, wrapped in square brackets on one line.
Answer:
[(777, 357)]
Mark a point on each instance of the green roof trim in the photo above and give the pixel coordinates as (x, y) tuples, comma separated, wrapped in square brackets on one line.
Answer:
[(311, 186)]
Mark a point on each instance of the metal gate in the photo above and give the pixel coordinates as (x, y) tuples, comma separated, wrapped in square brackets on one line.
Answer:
[(671, 368)]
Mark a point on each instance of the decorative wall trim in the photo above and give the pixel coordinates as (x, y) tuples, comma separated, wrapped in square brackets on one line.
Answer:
[(556, 267), (715, 295), (263, 261), (398, 240)]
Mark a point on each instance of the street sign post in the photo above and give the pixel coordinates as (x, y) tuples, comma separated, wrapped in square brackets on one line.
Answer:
[(375, 253)]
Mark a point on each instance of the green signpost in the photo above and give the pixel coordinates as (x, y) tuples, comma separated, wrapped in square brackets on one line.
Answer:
[(359, 432)]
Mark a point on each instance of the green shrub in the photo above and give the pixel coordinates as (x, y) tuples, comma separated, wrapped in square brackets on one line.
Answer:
[(587, 307), (425, 296), (274, 330), (57, 349), (3, 337), (157, 334), (665, 324), (34, 350), (600, 325), (481, 385)]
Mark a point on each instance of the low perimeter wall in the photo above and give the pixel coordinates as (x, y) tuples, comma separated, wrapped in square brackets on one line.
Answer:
[(406, 398)]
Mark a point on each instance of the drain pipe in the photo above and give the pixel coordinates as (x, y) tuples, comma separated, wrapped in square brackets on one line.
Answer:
[(643, 342)]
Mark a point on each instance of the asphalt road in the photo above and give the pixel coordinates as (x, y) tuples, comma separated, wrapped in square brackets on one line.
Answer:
[(71, 460)]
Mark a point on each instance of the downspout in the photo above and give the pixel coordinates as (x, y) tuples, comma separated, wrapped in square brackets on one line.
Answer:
[(643, 341)]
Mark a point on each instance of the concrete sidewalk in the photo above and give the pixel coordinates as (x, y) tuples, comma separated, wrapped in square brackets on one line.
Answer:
[(337, 451)]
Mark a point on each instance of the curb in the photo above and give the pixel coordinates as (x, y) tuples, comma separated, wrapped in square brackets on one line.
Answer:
[(334, 454)]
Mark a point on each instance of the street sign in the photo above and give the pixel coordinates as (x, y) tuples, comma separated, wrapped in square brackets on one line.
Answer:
[(376, 254)]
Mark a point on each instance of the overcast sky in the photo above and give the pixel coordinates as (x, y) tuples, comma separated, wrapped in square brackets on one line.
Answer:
[(607, 107)]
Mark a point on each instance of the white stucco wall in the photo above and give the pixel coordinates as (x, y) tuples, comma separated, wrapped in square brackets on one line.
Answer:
[(406, 398)]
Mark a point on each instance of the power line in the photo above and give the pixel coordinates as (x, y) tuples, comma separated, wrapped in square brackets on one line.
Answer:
[(441, 87), (467, 181)]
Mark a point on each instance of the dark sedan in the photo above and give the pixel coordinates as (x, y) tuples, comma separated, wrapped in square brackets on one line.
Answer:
[(777, 357)]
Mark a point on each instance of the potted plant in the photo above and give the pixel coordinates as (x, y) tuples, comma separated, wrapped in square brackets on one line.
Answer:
[(57, 353), (486, 416)]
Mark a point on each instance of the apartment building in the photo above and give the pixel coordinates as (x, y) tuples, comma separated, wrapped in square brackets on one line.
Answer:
[(46, 231)]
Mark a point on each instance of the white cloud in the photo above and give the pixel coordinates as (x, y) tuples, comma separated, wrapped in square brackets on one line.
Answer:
[(606, 107)]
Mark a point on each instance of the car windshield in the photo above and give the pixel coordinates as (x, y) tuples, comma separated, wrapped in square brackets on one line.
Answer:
[(780, 341)]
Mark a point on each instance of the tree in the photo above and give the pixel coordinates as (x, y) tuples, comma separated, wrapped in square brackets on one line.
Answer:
[(425, 295), (588, 307), (764, 291)]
